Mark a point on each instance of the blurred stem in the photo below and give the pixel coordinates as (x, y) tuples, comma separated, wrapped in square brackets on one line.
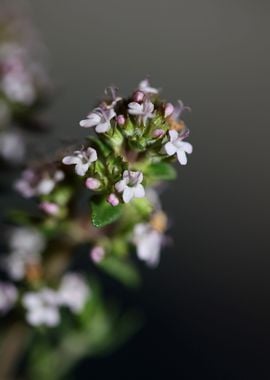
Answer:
[(12, 346)]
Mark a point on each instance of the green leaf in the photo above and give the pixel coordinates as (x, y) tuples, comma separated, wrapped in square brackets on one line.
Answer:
[(104, 148), (161, 171), (103, 213), (123, 271)]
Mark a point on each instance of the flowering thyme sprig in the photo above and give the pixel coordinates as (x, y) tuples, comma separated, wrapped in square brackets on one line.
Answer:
[(109, 181)]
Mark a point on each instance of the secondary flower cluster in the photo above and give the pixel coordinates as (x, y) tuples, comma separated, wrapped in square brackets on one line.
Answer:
[(24, 84)]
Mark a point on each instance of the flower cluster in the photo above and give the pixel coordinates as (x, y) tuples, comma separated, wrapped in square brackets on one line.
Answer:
[(133, 134), (43, 306), (24, 84), (137, 140)]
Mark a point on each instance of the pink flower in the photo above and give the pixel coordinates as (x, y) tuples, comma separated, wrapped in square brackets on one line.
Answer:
[(49, 207), (97, 254)]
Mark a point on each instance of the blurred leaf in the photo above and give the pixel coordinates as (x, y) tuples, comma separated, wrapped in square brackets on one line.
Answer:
[(161, 171), (62, 195), (121, 270), (103, 213), (102, 146)]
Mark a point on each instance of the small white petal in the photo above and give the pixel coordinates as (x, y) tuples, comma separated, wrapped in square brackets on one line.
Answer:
[(92, 153), (81, 169), (139, 191), (51, 317), (135, 108), (35, 317), (182, 158), (173, 135), (70, 160), (103, 127), (128, 194), (119, 186), (92, 120), (187, 147), (170, 148)]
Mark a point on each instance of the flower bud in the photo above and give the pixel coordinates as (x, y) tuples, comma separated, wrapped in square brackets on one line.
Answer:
[(113, 200), (158, 133), (138, 96), (97, 254), (92, 183), (120, 119), (169, 108), (49, 207)]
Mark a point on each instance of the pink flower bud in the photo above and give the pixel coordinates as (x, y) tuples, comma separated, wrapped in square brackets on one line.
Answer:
[(169, 108), (113, 200), (120, 119), (49, 207), (97, 254), (138, 96), (92, 183), (158, 133)]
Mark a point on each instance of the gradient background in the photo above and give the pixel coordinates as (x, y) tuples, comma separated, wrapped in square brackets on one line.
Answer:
[(207, 305)]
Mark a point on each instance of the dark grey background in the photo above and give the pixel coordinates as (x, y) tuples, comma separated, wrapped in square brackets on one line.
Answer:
[(208, 303)]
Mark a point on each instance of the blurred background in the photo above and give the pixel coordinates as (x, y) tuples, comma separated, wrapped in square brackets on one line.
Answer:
[(207, 306)]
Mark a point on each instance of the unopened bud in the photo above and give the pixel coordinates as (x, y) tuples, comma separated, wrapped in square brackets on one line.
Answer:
[(113, 200), (97, 254), (49, 207), (138, 96), (92, 183), (120, 119), (158, 133)]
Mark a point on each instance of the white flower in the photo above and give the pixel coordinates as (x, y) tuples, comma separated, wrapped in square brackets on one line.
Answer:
[(176, 145), (33, 183), (131, 186), (28, 240), (99, 118), (8, 296), (42, 308), (143, 110), (82, 159), (18, 87), (145, 87), (148, 243), (12, 147), (73, 292), (26, 245)]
